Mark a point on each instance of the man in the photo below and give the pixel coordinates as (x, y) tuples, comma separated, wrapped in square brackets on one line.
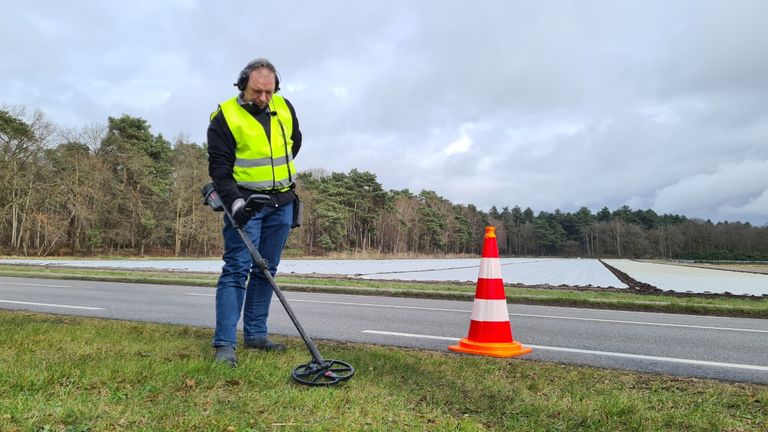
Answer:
[(252, 140)]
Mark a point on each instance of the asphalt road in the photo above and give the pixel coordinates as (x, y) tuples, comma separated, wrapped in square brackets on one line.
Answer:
[(731, 349)]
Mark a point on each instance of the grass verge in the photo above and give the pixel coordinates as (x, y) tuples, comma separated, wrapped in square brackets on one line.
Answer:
[(734, 306), (63, 373)]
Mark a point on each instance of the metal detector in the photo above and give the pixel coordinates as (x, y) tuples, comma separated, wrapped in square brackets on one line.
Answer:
[(318, 372)]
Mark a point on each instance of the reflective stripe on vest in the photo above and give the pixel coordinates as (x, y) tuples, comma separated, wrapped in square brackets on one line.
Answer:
[(261, 164)]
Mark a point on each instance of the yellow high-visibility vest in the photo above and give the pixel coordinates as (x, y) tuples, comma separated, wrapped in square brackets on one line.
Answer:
[(262, 164)]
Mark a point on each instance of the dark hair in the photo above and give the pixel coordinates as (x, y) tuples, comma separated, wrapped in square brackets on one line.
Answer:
[(259, 63)]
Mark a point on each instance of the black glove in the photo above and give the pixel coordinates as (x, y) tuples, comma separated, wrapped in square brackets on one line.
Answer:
[(243, 211), (240, 214), (255, 203)]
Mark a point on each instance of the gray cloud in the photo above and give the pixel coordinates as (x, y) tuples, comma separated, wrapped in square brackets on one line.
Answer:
[(550, 105)]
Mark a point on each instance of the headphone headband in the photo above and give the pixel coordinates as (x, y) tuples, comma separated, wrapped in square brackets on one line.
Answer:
[(259, 63)]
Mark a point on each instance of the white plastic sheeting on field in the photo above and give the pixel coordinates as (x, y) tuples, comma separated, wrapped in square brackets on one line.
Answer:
[(528, 271), (693, 279)]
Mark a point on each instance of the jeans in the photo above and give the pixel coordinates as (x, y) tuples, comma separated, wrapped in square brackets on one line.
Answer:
[(268, 230)]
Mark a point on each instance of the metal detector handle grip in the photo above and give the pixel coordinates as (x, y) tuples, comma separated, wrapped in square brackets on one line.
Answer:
[(211, 198), (256, 202)]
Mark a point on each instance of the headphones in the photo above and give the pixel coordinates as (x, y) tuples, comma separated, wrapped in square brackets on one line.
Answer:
[(242, 79)]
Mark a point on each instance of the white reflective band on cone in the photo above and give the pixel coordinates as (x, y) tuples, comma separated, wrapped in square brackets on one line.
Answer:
[(490, 310), (490, 268)]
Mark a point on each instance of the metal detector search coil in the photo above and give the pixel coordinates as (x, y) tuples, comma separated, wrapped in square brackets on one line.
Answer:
[(319, 371)]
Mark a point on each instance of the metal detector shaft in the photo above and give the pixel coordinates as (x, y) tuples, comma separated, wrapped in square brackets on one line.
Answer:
[(319, 372), (212, 199), (263, 266)]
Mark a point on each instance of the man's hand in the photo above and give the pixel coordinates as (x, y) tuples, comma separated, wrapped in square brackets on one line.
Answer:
[(240, 214), (256, 202), (243, 211)]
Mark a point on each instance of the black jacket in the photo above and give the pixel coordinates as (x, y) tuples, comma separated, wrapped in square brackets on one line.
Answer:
[(221, 154)]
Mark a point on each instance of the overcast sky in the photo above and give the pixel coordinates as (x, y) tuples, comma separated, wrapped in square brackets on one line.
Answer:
[(543, 104)]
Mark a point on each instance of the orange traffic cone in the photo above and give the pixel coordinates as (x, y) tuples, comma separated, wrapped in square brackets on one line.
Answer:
[(489, 330)]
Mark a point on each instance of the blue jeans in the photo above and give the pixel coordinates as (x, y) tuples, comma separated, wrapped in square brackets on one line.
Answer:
[(268, 230)]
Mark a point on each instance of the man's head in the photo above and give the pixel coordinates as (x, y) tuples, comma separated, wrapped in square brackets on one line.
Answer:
[(258, 81)]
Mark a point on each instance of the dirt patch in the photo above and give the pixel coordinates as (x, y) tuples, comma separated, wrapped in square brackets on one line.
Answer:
[(465, 284), (633, 284)]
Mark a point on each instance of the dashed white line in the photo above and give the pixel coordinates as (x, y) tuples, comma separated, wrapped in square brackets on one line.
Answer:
[(590, 352), (379, 305), (51, 305), (35, 285), (411, 335)]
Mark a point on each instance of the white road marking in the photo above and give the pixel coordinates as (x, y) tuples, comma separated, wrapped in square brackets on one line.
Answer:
[(35, 285), (358, 304), (382, 306), (582, 351), (747, 330), (51, 305), (412, 335)]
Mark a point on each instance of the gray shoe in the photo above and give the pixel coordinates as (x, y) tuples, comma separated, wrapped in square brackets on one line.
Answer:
[(226, 354), (263, 344)]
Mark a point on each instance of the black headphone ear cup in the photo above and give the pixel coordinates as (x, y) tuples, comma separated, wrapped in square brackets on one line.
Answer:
[(277, 83), (242, 80)]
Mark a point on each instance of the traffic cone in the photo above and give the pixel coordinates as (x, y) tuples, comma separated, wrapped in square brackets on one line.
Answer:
[(490, 332)]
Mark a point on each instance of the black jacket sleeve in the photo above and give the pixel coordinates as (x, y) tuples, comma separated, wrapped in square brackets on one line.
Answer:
[(221, 159), (296, 133)]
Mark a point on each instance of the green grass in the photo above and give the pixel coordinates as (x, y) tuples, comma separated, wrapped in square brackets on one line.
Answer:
[(62, 373), (749, 307)]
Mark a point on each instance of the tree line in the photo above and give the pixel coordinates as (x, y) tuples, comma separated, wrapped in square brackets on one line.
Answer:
[(118, 189)]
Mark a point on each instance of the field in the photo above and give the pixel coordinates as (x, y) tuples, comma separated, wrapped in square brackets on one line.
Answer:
[(531, 272)]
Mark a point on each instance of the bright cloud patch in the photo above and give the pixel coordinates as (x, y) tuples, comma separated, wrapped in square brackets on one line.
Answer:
[(461, 145)]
